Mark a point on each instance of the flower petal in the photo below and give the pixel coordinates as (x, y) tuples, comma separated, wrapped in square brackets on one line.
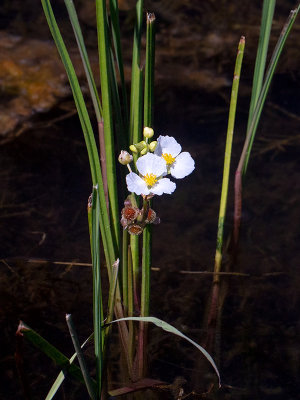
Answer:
[(183, 165), (151, 164), (167, 144), (136, 184), (164, 185)]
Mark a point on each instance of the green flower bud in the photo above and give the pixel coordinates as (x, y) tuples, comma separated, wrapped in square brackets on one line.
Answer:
[(144, 151), (125, 158), (133, 148), (148, 132), (153, 145), (141, 145)]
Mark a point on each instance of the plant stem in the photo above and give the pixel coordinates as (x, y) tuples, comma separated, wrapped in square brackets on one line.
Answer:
[(147, 237), (227, 159), (94, 215), (105, 79), (261, 56), (81, 359), (244, 159), (215, 301)]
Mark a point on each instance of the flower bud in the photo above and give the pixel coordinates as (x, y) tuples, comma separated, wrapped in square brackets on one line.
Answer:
[(133, 148), (140, 146), (153, 145), (144, 151), (148, 132), (125, 158)]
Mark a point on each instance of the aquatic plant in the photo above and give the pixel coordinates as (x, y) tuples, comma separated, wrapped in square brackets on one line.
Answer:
[(151, 162)]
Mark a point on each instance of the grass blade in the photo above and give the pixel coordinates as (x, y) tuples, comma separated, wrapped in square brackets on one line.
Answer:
[(87, 131), (169, 328), (61, 376), (97, 290), (227, 158), (149, 71), (81, 359), (147, 238), (244, 159), (135, 133), (84, 57), (261, 56), (52, 352), (268, 79), (105, 80), (114, 15)]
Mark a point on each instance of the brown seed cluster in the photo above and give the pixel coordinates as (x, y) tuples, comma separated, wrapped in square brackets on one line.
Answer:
[(134, 220)]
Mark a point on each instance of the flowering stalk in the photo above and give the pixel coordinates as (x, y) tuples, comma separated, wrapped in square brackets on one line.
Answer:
[(147, 234)]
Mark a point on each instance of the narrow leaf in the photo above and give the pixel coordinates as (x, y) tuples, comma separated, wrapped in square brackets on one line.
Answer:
[(61, 376), (169, 328), (52, 352)]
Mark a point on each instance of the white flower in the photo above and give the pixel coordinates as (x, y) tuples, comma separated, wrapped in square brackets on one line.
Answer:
[(179, 164), (151, 169)]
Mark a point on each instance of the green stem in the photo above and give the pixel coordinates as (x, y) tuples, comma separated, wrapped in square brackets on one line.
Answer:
[(84, 58), (227, 159), (125, 270), (149, 71), (147, 237), (94, 215), (81, 359), (261, 56), (245, 156), (135, 134), (105, 79)]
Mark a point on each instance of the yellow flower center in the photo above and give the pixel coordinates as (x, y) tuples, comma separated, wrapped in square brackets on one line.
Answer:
[(168, 158), (150, 179)]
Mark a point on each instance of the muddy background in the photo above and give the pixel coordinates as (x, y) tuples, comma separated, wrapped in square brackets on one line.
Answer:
[(45, 184)]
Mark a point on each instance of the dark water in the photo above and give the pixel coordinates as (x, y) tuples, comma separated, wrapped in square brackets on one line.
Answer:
[(45, 184)]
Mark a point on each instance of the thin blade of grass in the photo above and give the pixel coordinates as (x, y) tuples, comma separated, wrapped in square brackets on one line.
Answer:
[(87, 131), (84, 57), (169, 328), (51, 351), (245, 156), (135, 104), (149, 71), (97, 289), (227, 158), (61, 376), (261, 56), (125, 270), (147, 233), (215, 305), (268, 79), (105, 80), (81, 359), (114, 15)]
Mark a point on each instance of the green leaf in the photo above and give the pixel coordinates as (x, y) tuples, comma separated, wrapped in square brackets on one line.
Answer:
[(87, 131), (84, 57), (169, 328), (61, 376), (52, 352)]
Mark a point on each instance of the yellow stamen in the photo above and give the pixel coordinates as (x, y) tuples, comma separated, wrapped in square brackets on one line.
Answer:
[(150, 179), (168, 158)]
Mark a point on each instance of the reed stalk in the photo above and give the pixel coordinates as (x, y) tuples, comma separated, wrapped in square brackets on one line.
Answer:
[(251, 132), (81, 359), (147, 236), (214, 305), (105, 80)]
